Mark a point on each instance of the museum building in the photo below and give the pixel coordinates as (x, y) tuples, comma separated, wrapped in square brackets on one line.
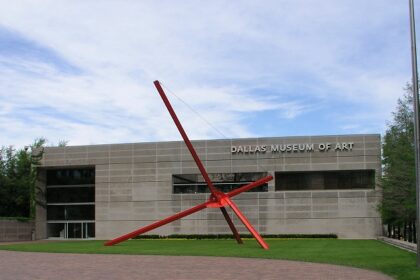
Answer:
[(321, 185)]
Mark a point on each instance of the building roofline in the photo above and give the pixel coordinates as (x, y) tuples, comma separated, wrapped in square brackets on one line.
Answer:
[(229, 139)]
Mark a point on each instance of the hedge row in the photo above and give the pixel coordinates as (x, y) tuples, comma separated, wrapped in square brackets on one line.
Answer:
[(230, 236)]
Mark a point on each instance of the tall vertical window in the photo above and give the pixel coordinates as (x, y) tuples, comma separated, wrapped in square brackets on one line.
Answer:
[(70, 197)]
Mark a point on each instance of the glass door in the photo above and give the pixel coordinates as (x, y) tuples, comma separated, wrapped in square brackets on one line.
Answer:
[(72, 230)]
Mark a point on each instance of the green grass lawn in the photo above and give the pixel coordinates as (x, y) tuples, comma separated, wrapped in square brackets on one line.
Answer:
[(369, 254)]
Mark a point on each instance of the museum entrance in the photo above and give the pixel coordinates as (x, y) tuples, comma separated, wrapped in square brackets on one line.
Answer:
[(71, 230)]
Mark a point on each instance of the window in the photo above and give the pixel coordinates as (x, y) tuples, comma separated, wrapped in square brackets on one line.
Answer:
[(70, 194), (325, 180), (71, 230), (70, 197), (225, 182), (70, 212), (74, 176)]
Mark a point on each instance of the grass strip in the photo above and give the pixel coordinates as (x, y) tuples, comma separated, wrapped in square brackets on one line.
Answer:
[(367, 254)]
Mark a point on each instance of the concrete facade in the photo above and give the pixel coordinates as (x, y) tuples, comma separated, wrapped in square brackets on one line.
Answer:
[(133, 186)]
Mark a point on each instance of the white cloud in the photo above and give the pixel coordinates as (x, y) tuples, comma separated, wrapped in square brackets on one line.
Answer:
[(230, 61)]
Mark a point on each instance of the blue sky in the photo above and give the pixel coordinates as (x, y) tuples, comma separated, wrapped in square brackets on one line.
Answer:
[(83, 71)]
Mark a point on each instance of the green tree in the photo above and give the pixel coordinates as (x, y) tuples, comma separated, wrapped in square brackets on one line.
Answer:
[(18, 178), (399, 180)]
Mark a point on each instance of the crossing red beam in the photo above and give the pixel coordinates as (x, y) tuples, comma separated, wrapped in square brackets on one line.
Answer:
[(217, 198), (210, 203), (247, 224)]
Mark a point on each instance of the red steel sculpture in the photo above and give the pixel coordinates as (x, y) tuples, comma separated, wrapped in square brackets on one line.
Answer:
[(217, 198)]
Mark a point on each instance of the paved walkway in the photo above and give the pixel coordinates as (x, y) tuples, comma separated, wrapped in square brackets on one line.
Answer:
[(45, 266)]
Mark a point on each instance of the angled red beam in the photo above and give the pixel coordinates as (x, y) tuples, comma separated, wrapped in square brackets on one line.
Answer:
[(197, 160), (156, 224), (247, 224), (231, 225), (187, 141)]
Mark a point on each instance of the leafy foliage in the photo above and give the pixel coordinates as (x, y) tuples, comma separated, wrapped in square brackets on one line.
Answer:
[(17, 179), (399, 180)]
